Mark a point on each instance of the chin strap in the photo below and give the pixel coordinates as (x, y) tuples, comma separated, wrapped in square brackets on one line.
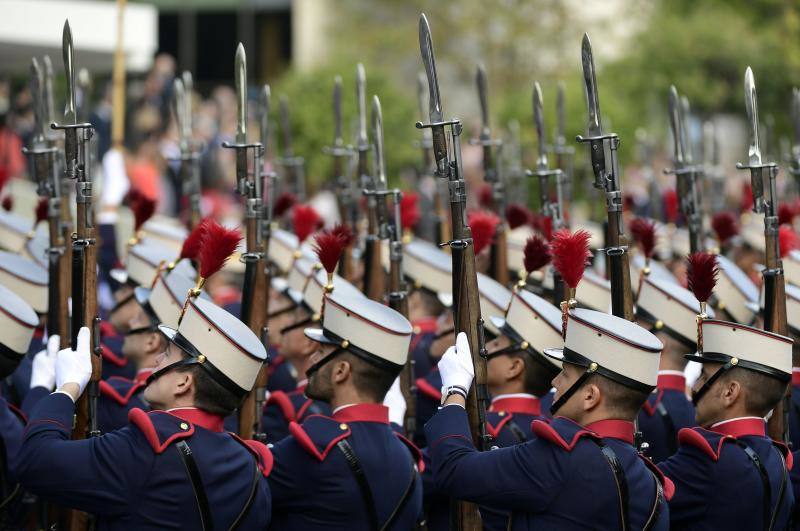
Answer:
[(733, 362), (590, 370), (318, 365)]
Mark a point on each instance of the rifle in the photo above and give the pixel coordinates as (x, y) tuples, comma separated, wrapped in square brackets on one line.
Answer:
[(686, 174), (374, 278), (293, 167), (189, 173), (441, 219), (762, 178), (397, 296), (565, 155), (250, 185), (466, 305), (344, 189), (498, 257), (607, 178)]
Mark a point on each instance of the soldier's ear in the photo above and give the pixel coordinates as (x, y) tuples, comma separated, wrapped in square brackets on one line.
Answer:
[(515, 367), (342, 370), (731, 392), (591, 396), (184, 383)]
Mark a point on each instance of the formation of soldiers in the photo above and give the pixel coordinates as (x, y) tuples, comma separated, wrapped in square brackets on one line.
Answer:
[(531, 371)]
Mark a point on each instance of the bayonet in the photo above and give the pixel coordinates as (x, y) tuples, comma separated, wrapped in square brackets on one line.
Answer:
[(361, 99), (37, 88), (593, 125), (49, 109), (264, 123), (67, 53), (538, 121), (377, 135), (543, 172), (337, 112), (434, 103), (751, 107), (561, 120), (676, 125), (179, 109), (241, 95), (685, 110), (483, 98)]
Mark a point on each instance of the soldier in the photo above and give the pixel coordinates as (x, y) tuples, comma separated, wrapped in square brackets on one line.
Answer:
[(171, 466), (671, 310), (610, 365), (745, 373), (350, 470)]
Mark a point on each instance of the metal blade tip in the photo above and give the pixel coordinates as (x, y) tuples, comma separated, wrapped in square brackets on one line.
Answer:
[(748, 76), (376, 104), (240, 53), (537, 92), (585, 42), (361, 74), (265, 91)]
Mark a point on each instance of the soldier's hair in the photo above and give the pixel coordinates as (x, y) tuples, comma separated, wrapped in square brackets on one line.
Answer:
[(209, 395), (623, 401), (433, 306), (762, 392), (368, 378), (538, 375)]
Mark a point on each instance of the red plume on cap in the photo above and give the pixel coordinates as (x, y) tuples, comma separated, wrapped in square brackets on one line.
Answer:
[(786, 213), (543, 225), (628, 202), (644, 233), (191, 245), (8, 203), (670, 197), (217, 244), (570, 253), (486, 196), (305, 220), (42, 208), (725, 226), (702, 274), (536, 254), (787, 240), (746, 203), (517, 215), (483, 225), (329, 246), (143, 207), (344, 233), (409, 210), (283, 203)]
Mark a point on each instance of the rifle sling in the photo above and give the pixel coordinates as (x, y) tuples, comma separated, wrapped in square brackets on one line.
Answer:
[(768, 514), (669, 425)]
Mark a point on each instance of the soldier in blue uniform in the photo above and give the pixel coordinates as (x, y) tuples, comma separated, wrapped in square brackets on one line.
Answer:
[(171, 468), (609, 367), (350, 470), (745, 373), (671, 311)]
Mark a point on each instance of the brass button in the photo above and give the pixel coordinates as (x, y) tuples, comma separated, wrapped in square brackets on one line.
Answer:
[(201, 359), (502, 413), (343, 426), (184, 426)]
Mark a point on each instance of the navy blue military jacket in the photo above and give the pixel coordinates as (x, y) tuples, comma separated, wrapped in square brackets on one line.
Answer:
[(314, 488), (134, 478), (794, 410), (558, 480), (717, 486), (118, 396), (281, 409), (666, 412), (280, 373)]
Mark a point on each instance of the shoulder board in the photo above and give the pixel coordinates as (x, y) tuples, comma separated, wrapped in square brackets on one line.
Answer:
[(260, 451), (109, 356), (284, 403), (495, 420), (650, 405), (788, 456), (119, 389), (666, 483), (429, 390), (708, 442), (160, 428), (318, 434), (416, 453), (561, 432)]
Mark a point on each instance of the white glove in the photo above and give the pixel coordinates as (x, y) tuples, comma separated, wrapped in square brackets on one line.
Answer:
[(43, 371), (75, 366), (456, 364), (396, 403), (115, 180)]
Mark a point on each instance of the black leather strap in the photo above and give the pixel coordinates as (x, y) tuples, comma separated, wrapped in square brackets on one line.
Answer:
[(196, 481), (517, 431), (404, 500), (655, 512), (619, 477), (250, 499), (766, 503), (361, 479), (781, 492), (672, 433)]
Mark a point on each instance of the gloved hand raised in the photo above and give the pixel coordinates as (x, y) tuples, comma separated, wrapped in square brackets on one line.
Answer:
[(456, 364), (75, 366), (396, 403), (43, 370)]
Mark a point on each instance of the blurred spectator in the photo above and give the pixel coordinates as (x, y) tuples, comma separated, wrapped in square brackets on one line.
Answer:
[(12, 161)]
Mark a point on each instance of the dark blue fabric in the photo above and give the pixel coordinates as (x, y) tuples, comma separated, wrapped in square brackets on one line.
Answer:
[(111, 415), (655, 428), (274, 422), (794, 418)]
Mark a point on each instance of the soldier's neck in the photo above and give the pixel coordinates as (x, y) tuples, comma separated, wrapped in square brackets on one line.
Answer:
[(508, 388), (346, 395)]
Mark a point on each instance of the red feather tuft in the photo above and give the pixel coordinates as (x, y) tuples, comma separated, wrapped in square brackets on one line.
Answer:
[(543, 225), (628, 202), (536, 254), (702, 274), (409, 210), (517, 215), (746, 202), (143, 209), (725, 226), (570, 253), (670, 198), (42, 207), (486, 197), (329, 246), (786, 213), (217, 244), (787, 240), (483, 225), (345, 233), (305, 221), (283, 203), (191, 245), (8, 203), (644, 233)]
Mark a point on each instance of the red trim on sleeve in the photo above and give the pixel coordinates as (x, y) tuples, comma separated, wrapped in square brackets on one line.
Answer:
[(650, 409), (428, 390), (416, 453), (666, 483), (281, 399), (787, 453), (142, 420), (109, 356), (305, 442), (107, 330), (494, 431), (262, 453)]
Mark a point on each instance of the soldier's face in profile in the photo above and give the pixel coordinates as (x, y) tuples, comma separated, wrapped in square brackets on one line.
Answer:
[(708, 410), (294, 342), (497, 366), (569, 375), (162, 392), (121, 316), (134, 345), (320, 386)]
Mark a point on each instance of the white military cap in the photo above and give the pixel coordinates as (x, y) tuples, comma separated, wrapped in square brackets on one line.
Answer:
[(36, 249), (218, 342), (670, 307), (164, 231), (282, 247), (747, 347), (533, 322), (314, 292), (25, 278), (681, 241), (515, 245), (164, 301), (734, 290), (365, 328), (494, 301), (142, 263), (657, 269), (14, 231), (611, 346), (18, 322), (793, 308), (752, 231), (791, 267), (594, 292), (427, 266), (297, 278)]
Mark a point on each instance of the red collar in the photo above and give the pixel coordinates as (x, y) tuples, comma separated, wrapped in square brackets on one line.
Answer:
[(201, 418), (613, 428), (796, 376), (363, 413), (518, 404), (742, 427), (143, 375), (673, 382), (38, 332), (425, 324)]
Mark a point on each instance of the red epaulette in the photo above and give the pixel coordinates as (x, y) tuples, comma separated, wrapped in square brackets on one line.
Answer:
[(281, 399), (319, 434), (566, 441), (695, 437), (109, 356), (260, 451), (107, 330), (666, 483), (160, 429), (106, 389)]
